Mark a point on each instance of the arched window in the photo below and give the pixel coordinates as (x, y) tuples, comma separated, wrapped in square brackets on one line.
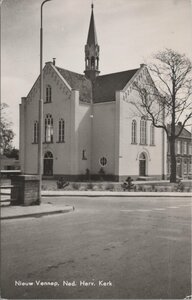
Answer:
[(185, 167), (142, 164), (152, 135), (48, 94), (49, 129), (190, 167), (61, 130), (48, 164), (143, 132), (134, 132), (35, 132), (92, 62)]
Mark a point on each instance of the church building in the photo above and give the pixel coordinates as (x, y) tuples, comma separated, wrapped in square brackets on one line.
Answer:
[(93, 125)]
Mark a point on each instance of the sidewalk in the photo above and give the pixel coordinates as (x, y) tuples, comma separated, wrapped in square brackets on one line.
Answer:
[(16, 212), (114, 194)]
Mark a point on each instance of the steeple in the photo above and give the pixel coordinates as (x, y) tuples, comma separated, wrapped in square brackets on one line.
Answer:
[(92, 51)]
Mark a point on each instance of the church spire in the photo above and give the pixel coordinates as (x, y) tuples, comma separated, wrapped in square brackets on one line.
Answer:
[(92, 50)]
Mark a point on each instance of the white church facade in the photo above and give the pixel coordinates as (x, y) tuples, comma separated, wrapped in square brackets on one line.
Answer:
[(92, 125)]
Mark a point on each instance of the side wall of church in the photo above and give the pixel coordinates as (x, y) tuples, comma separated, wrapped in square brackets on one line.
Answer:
[(84, 137), (128, 154), (103, 139)]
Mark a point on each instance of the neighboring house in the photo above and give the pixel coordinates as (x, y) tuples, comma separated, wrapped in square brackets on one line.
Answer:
[(91, 123), (183, 151)]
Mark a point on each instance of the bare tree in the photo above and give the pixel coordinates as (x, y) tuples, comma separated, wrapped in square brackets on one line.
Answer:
[(166, 96)]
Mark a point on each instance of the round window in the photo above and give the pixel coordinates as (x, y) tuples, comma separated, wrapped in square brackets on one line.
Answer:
[(103, 161)]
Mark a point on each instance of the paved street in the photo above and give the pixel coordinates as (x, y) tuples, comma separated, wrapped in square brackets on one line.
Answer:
[(115, 248)]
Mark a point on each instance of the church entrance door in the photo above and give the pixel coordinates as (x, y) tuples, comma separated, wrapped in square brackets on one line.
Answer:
[(142, 165), (48, 164)]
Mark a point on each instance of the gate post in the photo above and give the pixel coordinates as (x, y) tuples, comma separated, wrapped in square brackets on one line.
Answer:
[(25, 190)]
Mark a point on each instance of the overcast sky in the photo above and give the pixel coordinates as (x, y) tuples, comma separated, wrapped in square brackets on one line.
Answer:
[(128, 32)]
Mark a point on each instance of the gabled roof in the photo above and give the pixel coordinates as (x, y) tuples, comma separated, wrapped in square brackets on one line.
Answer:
[(92, 35), (105, 86), (184, 134), (78, 82)]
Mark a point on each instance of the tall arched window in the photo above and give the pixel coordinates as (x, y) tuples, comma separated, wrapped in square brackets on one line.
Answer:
[(134, 132), (48, 94), (49, 129), (143, 132), (61, 130), (152, 135), (35, 132)]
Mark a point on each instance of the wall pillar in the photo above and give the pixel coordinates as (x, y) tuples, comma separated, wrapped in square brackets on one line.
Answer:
[(22, 140), (118, 98), (25, 190), (74, 163)]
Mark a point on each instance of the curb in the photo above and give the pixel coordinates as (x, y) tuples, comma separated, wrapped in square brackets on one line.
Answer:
[(37, 214), (135, 194)]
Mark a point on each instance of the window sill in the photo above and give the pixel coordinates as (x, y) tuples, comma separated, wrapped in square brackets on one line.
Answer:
[(47, 102), (134, 143), (152, 145), (47, 142), (34, 143), (143, 144), (60, 142)]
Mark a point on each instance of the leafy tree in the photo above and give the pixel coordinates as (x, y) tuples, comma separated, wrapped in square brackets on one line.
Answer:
[(166, 96), (6, 132)]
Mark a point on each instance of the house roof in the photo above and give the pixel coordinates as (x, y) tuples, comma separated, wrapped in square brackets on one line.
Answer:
[(78, 82), (184, 134), (105, 86)]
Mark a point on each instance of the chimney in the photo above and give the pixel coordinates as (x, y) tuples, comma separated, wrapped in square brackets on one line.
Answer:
[(54, 59)]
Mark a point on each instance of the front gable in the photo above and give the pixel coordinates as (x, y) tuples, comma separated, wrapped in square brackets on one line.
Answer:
[(51, 76)]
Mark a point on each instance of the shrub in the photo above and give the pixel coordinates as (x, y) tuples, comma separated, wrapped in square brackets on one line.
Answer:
[(89, 186), (109, 187), (179, 186), (75, 186), (61, 183)]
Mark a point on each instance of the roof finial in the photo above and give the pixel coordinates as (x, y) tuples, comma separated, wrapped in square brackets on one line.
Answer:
[(92, 5)]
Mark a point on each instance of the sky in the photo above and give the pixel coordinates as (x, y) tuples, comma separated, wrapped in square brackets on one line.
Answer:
[(129, 32)]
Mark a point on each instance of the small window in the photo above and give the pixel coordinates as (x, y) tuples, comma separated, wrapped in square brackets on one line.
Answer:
[(185, 148), (134, 132), (61, 130), (103, 161), (36, 132), (185, 167), (84, 155), (48, 94), (143, 132), (190, 167), (152, 135), (190, 149), (178, 147)]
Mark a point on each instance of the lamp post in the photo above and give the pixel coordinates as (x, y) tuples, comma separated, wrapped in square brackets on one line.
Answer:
[(40, 140)]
